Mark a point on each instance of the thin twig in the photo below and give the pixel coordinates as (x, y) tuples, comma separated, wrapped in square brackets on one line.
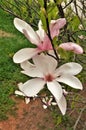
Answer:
[(52, 56), (79, 117), (61, 12), (75, 5), (9, 11), (68, 4)]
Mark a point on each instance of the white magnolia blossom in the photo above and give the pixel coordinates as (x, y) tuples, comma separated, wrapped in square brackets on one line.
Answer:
[(39, 38), (44, 70)]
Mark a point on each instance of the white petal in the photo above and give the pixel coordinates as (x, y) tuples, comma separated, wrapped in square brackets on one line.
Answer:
[(41, 34), (71, 68), (30, 69), (23, 27), (45, 63), (24, 54), (32, 87), (40, 25), (44, 106), (55, 88), (19, 93), (27, 100), (26, 64), (62, 104), (70, 80), (54, 103)]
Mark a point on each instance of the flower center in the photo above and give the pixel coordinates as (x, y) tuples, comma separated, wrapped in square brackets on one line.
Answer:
[(48, 78)]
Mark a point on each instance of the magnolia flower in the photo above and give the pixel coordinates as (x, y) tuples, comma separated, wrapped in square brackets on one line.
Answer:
[(45, 71), (72, 47), (38, 38)]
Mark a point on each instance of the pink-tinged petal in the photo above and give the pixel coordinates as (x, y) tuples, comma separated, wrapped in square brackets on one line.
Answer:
[(45, 45), (24, 54), (62, 104), (25, 28), (69, 46), (32, 87), (56, 89), (55, 25), (70, 80), (30, 69), (45, 41), (45, 63), (71, 68)]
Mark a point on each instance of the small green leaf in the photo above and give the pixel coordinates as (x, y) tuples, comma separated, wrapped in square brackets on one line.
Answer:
[(41, 2), (43, 18)]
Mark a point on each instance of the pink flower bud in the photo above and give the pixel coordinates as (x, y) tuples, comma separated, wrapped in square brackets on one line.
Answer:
[(69, 46)]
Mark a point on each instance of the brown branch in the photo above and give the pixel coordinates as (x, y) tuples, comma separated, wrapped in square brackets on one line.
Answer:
[(61, 12), (49, 35), (75, 5)]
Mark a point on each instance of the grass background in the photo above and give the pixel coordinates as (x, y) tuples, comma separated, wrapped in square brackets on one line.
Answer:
[(9, 71)]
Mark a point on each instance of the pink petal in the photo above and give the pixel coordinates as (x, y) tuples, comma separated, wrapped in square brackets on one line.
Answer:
[(45, 44), (24, 54), (28, 31), (72, 47), (55, 25)]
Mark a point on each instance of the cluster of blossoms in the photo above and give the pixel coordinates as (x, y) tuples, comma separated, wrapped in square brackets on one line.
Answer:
[(44, 68)]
